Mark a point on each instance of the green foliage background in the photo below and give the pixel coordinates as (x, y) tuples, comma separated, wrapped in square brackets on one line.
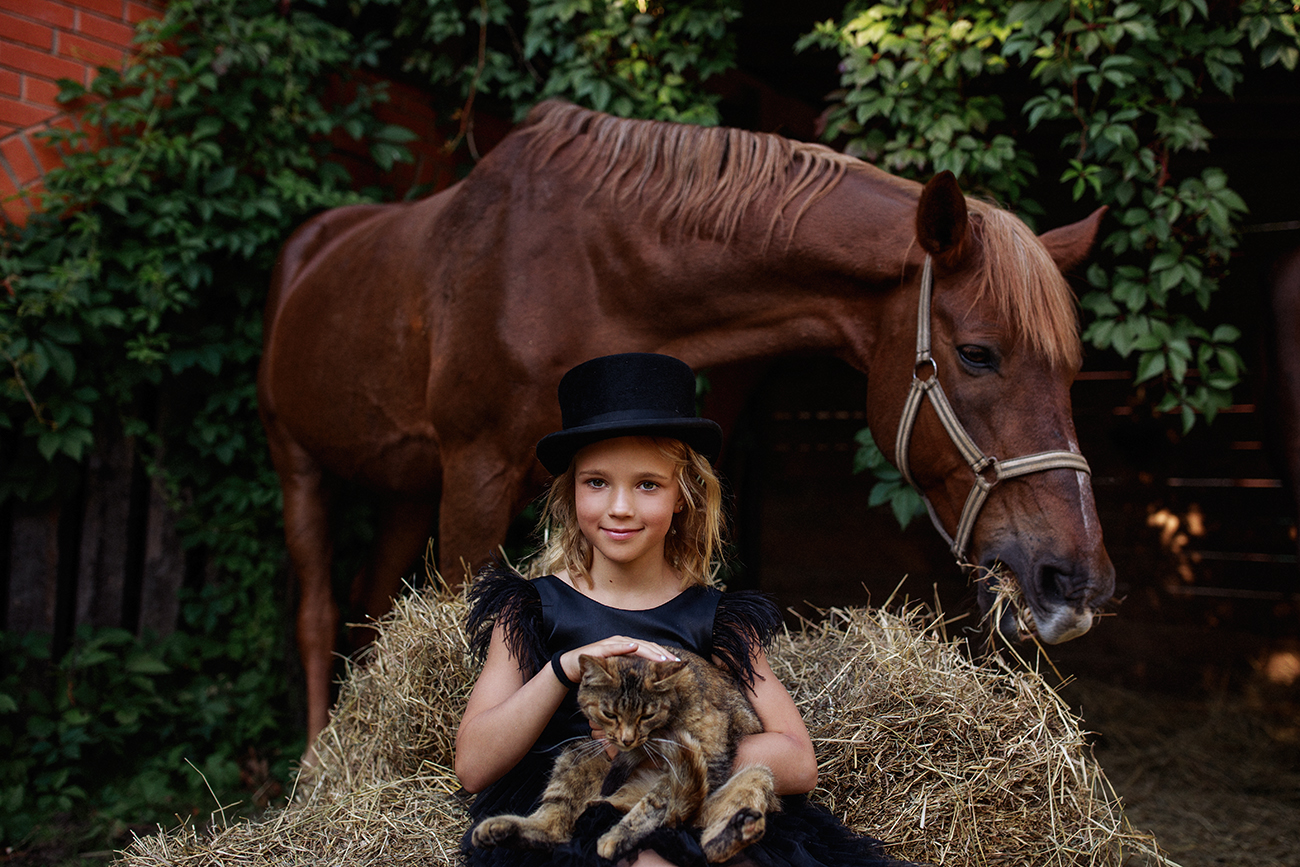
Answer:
[(140, 285), (133, 309), (133, 300), (926, 87)]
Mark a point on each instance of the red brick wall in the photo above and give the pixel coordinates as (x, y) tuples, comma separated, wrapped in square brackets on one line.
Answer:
[(42, 41)]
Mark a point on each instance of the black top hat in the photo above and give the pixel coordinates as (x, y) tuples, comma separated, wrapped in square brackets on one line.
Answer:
[(633, 394)]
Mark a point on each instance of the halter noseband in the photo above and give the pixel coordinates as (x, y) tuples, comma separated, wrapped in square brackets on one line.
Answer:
[(981, 464)]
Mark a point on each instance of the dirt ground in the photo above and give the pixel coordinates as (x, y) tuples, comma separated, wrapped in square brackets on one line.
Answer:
[(1205, 755)]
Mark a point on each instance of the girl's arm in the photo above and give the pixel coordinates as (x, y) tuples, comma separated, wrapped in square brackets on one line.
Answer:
[(784, 744), (506, 714)]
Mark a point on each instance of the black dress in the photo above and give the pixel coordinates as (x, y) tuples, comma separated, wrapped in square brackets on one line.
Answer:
[(546, 616)]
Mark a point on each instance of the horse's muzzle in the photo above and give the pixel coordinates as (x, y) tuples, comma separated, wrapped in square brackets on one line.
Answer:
[(1061, 602)]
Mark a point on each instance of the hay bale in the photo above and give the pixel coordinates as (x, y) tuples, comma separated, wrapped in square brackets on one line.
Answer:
[(949, 761)]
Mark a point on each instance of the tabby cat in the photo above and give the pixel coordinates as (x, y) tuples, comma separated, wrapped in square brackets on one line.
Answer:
[(675, 726)]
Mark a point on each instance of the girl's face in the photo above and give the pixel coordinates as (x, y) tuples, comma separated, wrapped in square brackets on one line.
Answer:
[(626, 493)]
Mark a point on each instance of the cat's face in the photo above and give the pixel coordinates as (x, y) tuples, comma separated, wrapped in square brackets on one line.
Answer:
[(629, 698)]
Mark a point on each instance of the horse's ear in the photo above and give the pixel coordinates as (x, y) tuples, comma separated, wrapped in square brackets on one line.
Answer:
[(1070, 245), (942, 223)]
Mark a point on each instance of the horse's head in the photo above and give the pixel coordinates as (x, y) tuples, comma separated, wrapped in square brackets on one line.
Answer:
[(985, 430)]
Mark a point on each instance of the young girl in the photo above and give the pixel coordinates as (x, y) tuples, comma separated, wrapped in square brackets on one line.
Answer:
[(633, 532)]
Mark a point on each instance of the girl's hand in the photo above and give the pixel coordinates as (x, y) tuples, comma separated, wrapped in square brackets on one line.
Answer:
[(615, 645)]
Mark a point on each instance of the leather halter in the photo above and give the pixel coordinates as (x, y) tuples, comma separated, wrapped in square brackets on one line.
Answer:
[(988, 470)]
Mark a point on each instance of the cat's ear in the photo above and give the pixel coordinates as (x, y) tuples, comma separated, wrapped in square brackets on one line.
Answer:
[(595, 670), (669, 674)]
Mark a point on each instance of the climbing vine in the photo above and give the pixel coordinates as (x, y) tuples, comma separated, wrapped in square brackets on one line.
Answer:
[(929, 86), (632, 58), (132, 309)]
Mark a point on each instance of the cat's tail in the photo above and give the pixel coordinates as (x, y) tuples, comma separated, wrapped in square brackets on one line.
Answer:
[(690, 771)]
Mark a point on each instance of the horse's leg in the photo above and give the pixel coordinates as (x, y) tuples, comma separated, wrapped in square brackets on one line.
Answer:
[(480, 493), (403, 534), (306, 534)]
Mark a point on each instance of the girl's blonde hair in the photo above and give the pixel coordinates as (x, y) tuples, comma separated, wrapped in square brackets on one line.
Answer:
[(694, 545)]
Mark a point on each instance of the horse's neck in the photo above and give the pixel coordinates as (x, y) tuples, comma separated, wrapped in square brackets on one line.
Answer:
[(823, 288)]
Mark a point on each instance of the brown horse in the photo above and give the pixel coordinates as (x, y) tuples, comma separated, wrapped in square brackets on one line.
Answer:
[(416, 348)]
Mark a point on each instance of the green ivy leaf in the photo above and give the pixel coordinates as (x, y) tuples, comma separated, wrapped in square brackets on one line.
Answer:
[(220, 180), (1150, 365)]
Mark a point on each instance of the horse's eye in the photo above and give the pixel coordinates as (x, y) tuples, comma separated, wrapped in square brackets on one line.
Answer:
[(977, 356)]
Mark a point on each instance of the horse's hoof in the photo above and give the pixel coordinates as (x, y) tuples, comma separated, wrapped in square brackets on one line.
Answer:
[(745, 827)]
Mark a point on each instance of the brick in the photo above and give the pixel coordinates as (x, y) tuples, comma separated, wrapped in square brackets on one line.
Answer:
[(11, 83), (51, 155), (137, 12), (47, 156), (19, 160), (23, 59), (92, 53), (109, 8), (8, 189), (7, 175), (18, 202), (55, 14), (27, 32), (15, 211), (112, 32), (38, 91), (21, 114)]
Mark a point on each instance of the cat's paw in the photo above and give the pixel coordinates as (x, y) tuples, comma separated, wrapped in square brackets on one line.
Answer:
[(497, 831), (745, 827), (612, 845)]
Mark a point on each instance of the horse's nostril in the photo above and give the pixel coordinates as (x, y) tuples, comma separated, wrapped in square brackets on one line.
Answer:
[(1058, 584)]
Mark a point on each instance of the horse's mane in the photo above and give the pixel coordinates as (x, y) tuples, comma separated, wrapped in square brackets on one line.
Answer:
[(1020, 278), (701, 181)]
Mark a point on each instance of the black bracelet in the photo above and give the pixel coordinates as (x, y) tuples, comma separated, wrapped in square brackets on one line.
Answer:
[(559, 671)]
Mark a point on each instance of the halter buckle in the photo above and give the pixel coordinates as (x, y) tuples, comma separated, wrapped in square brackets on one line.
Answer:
[(922, 362)]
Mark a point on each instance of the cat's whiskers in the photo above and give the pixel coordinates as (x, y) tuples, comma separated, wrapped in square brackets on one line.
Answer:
[(592, 746), (656, 754)]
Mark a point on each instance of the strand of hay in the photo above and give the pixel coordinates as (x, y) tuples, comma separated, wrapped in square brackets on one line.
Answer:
[(948, 761)]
